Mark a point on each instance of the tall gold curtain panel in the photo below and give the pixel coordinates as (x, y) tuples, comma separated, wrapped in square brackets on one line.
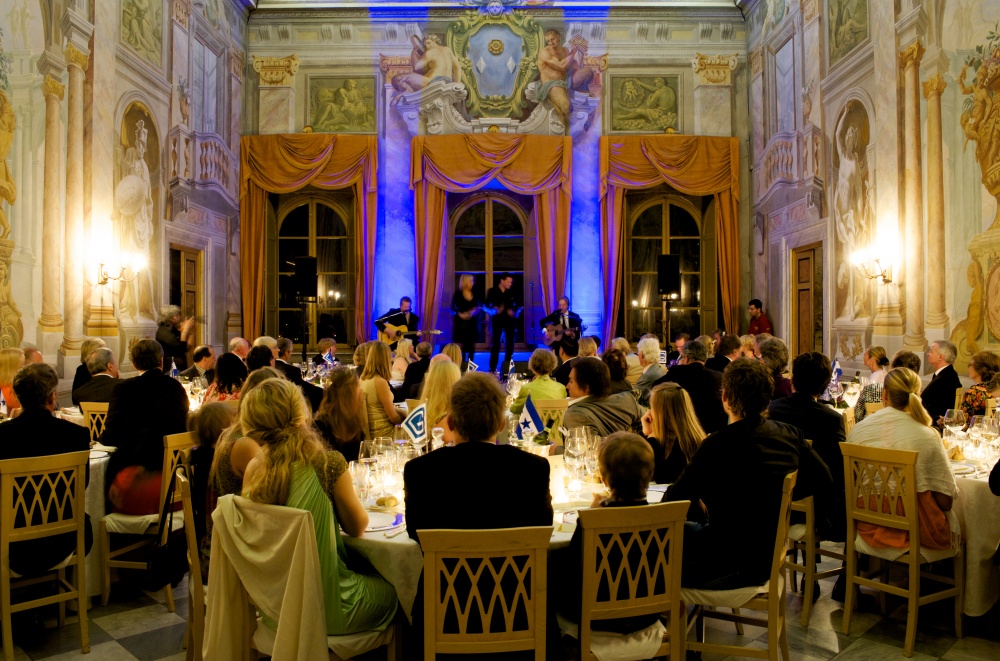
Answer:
[(285, 164), (535, 165), (695, 165)]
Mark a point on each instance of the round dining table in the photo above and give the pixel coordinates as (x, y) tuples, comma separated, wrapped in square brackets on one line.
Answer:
[(978, 513)]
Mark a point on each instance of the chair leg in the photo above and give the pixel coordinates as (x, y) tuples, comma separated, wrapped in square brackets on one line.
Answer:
[(913, 607), (81, 604), (7, 630), (851, 560), (105, 563), (678, 631), (395, 650), (739, 625), (60, 579), (774, 629), (959, 574), (168, 592), (810, 579)]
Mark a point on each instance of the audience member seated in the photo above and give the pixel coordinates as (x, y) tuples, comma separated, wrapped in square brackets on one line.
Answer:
[(207, 424), (204, 364), (141, 412), (824, 426), (324, 345), (746, 346), (872, 392), (876, 360), (294, 470), (383, 416), (87, 347), (774, 355), (240, 347), (672, 429), (984, 370), (618, 367), (360, 353), (260, 356), (230, 373), (939, 395), (648, 350), (454, 352), (404, 356), (341, 419), (313, 393), (759, 339), (436, 392), (703, 385), (586, 347), (103, 368), (904, 424), (569, 350), (680, 339), (738, 474), (416, 370), (11, 360), (541, 386), (32, 355), (37, 433), (634, 368), (730, 348), (269, 342), (593, 406)]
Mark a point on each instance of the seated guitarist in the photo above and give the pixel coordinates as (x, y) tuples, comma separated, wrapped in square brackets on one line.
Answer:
[(562, 321), (501, 305), (399, 317)]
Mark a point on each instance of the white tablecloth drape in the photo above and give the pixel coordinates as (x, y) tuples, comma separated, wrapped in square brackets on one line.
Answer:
[(95, 508), (978, 512)]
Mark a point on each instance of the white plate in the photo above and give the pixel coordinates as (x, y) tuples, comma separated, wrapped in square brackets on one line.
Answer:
[(962, 468), (98, 454), (383, 521)]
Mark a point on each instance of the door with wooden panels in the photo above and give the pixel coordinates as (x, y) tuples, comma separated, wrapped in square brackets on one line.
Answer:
[(807, 298), (185, 287)]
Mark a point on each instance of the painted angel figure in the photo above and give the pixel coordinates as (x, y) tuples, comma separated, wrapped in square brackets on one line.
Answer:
[(134, 214), (849, 213)]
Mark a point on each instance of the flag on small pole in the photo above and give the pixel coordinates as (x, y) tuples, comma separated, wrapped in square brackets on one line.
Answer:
[(416, 424), (529, 420), (472, 367)]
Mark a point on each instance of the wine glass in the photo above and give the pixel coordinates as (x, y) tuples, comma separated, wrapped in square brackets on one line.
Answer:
[(954, 419), (852, 391), (437, 436), (359, 475)]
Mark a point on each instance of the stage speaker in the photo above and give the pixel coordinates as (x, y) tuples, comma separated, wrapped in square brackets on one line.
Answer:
[(305, 277), (668, 275)]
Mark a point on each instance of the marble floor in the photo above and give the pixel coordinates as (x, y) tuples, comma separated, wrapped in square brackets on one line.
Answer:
[(138, 626)]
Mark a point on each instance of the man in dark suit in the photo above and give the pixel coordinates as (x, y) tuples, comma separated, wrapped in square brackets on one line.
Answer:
[(939, 395), (415, 371), (563, 316), (103, 368), (729, 350), (313, 394), (204, 364), (36, 433), (702, 384), (569, 349), (401, 316), (142, 411)]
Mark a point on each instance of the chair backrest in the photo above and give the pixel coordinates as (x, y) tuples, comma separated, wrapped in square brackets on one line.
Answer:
[(881, 489), (95, 414), (174, 446), (43, 496), (631, 562), (781, 535), (991, 407), (196, 605), (959, 395), (551, 411), (848, 421), (412, 404), (871, 407), (485, 590)]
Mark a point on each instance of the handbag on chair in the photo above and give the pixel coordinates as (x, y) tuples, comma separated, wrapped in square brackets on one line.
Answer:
[(168, 562)]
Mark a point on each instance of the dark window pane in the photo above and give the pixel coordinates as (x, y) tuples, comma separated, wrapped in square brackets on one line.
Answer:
[(690, 291), (646, 321), (332, 323), (328, 222), (650, 222), (505, 221), (682, 223), (286, 292), (331, 255), (690, 252), (644, 252), (296, 223), (478, 286), (290, 325), (470, 254), (508, 255), (644, 291), (289, 250), (329, 288), (473, 221), (685, 321)]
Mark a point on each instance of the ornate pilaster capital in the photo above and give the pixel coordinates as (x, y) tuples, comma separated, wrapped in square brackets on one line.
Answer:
[(276, 71), (809, 9), (912, 54), (714, 69), (76, 58), (52, 87), (182, 12), (237, 59), (934, 86), (394, 65), (756, 62)]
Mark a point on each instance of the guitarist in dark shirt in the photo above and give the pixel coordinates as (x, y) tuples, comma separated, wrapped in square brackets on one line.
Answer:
[(399, 317), (562, 321), (501, 305)]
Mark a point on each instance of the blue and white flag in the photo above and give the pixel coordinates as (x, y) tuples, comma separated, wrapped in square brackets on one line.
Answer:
[(529, 420), (416, 424), (663, 357), (472, 367), (328, 356)]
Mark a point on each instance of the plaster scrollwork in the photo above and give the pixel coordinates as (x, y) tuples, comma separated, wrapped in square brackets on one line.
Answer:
[(714, 69), (851, 346), (182, 13), (934, 86), (756, 62), (52, 87), (276, 71), (809, 9), (74, 57), (912, 54)]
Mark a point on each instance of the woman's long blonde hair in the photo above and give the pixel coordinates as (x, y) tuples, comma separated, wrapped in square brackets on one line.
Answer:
[(404, 349), (902, 391), (622, 345), (436, 391), (378, 362), (11, 360), (674, 420), (453, 351), (276, 416)]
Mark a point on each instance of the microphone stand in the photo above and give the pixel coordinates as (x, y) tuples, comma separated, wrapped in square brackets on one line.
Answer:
[(534, 342)]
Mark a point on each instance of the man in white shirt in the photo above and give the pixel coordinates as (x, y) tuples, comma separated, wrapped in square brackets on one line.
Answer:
[(939, 395), (648, 351)]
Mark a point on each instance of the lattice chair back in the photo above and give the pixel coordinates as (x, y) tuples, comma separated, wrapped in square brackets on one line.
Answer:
[(991, 407), (781, 542), (196, 605), (95, 414), (552, 411), (631, 563), (485, 590), (881, 489), (175, 447)]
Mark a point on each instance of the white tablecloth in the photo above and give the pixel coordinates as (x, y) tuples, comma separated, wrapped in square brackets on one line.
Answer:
[(95, 508), (978, 513)]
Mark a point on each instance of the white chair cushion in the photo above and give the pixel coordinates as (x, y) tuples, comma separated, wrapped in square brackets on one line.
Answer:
[(608, 646), (138, 524), (345, 647), (728, 598), (926, 555), (797, 532)]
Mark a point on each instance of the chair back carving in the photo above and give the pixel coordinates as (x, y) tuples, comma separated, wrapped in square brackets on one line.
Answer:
[(42, 496), (881, 489), (196, 605), (174, 452), (485, 590), (551, 411), (95, 414)]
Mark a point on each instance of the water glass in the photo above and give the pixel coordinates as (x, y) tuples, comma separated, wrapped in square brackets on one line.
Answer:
[(359, 475), (437, 437), (954, 419)]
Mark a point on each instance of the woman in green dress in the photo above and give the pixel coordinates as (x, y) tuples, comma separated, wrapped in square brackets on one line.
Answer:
[(295, 469)]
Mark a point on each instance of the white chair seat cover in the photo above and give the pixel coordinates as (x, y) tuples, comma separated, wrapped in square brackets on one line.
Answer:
[(728, 598), (797, 532), (345, 647), (926, 555), (608, 646), (138, 524)]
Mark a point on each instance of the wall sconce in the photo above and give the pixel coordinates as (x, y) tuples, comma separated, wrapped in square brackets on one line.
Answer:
[(106, 272), (871, 267)]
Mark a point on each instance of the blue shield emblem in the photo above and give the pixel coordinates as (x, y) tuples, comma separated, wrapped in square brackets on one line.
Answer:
[(495, 52), (416, 423)]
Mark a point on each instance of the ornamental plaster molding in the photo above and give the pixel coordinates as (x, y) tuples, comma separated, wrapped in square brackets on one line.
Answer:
[(52, 87), (74, 57), (934, 85), (912, 54), (276, 71), (714, 69)]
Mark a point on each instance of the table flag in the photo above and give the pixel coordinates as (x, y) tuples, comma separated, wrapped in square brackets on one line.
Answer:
[(416, 424), (529, 420)]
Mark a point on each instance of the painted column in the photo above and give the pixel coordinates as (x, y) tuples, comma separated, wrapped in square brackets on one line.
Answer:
[(713, 94), (937, 316), (50, 322), (914, 339), (276, 110)]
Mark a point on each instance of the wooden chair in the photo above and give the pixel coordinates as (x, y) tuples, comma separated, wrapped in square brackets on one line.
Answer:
[(41, 497), (147, 525), (195, 634), (95, 414), (455, 562), (871, 407), (551, 412), (769, 597), (848, 421), (880, 483), (959, 395), (635, 554), (804, 538), (991, 407)]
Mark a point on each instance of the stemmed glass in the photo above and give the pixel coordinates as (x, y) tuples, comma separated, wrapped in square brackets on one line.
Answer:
[(852, 391), (437, 437), (954, 419)]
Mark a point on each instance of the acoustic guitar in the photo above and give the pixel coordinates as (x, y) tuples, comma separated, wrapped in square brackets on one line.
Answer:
[(556, 332), (390, 333)]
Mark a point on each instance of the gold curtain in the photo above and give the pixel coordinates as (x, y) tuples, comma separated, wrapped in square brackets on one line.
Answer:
[(695, 165), (287, 163), (530, 164)]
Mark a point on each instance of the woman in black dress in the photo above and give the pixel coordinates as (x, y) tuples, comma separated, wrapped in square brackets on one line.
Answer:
[(465, 310)]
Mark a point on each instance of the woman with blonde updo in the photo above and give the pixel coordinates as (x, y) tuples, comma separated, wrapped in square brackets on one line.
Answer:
[(672, 428), (876, 359), (404, 356), (586, 347), (454, 352), (11, 360), (294, 469), (984, 370), (905, 425), (360, 353), (436, 390), (382, 413)]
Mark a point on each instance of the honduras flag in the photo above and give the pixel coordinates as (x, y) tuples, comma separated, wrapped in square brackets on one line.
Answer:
[(529, 420)]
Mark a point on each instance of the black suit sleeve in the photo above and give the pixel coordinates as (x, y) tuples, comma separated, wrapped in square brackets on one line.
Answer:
[(117, 418), (696, 478), (551, 319), (538, 495), (995, 479), (414, 498)]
